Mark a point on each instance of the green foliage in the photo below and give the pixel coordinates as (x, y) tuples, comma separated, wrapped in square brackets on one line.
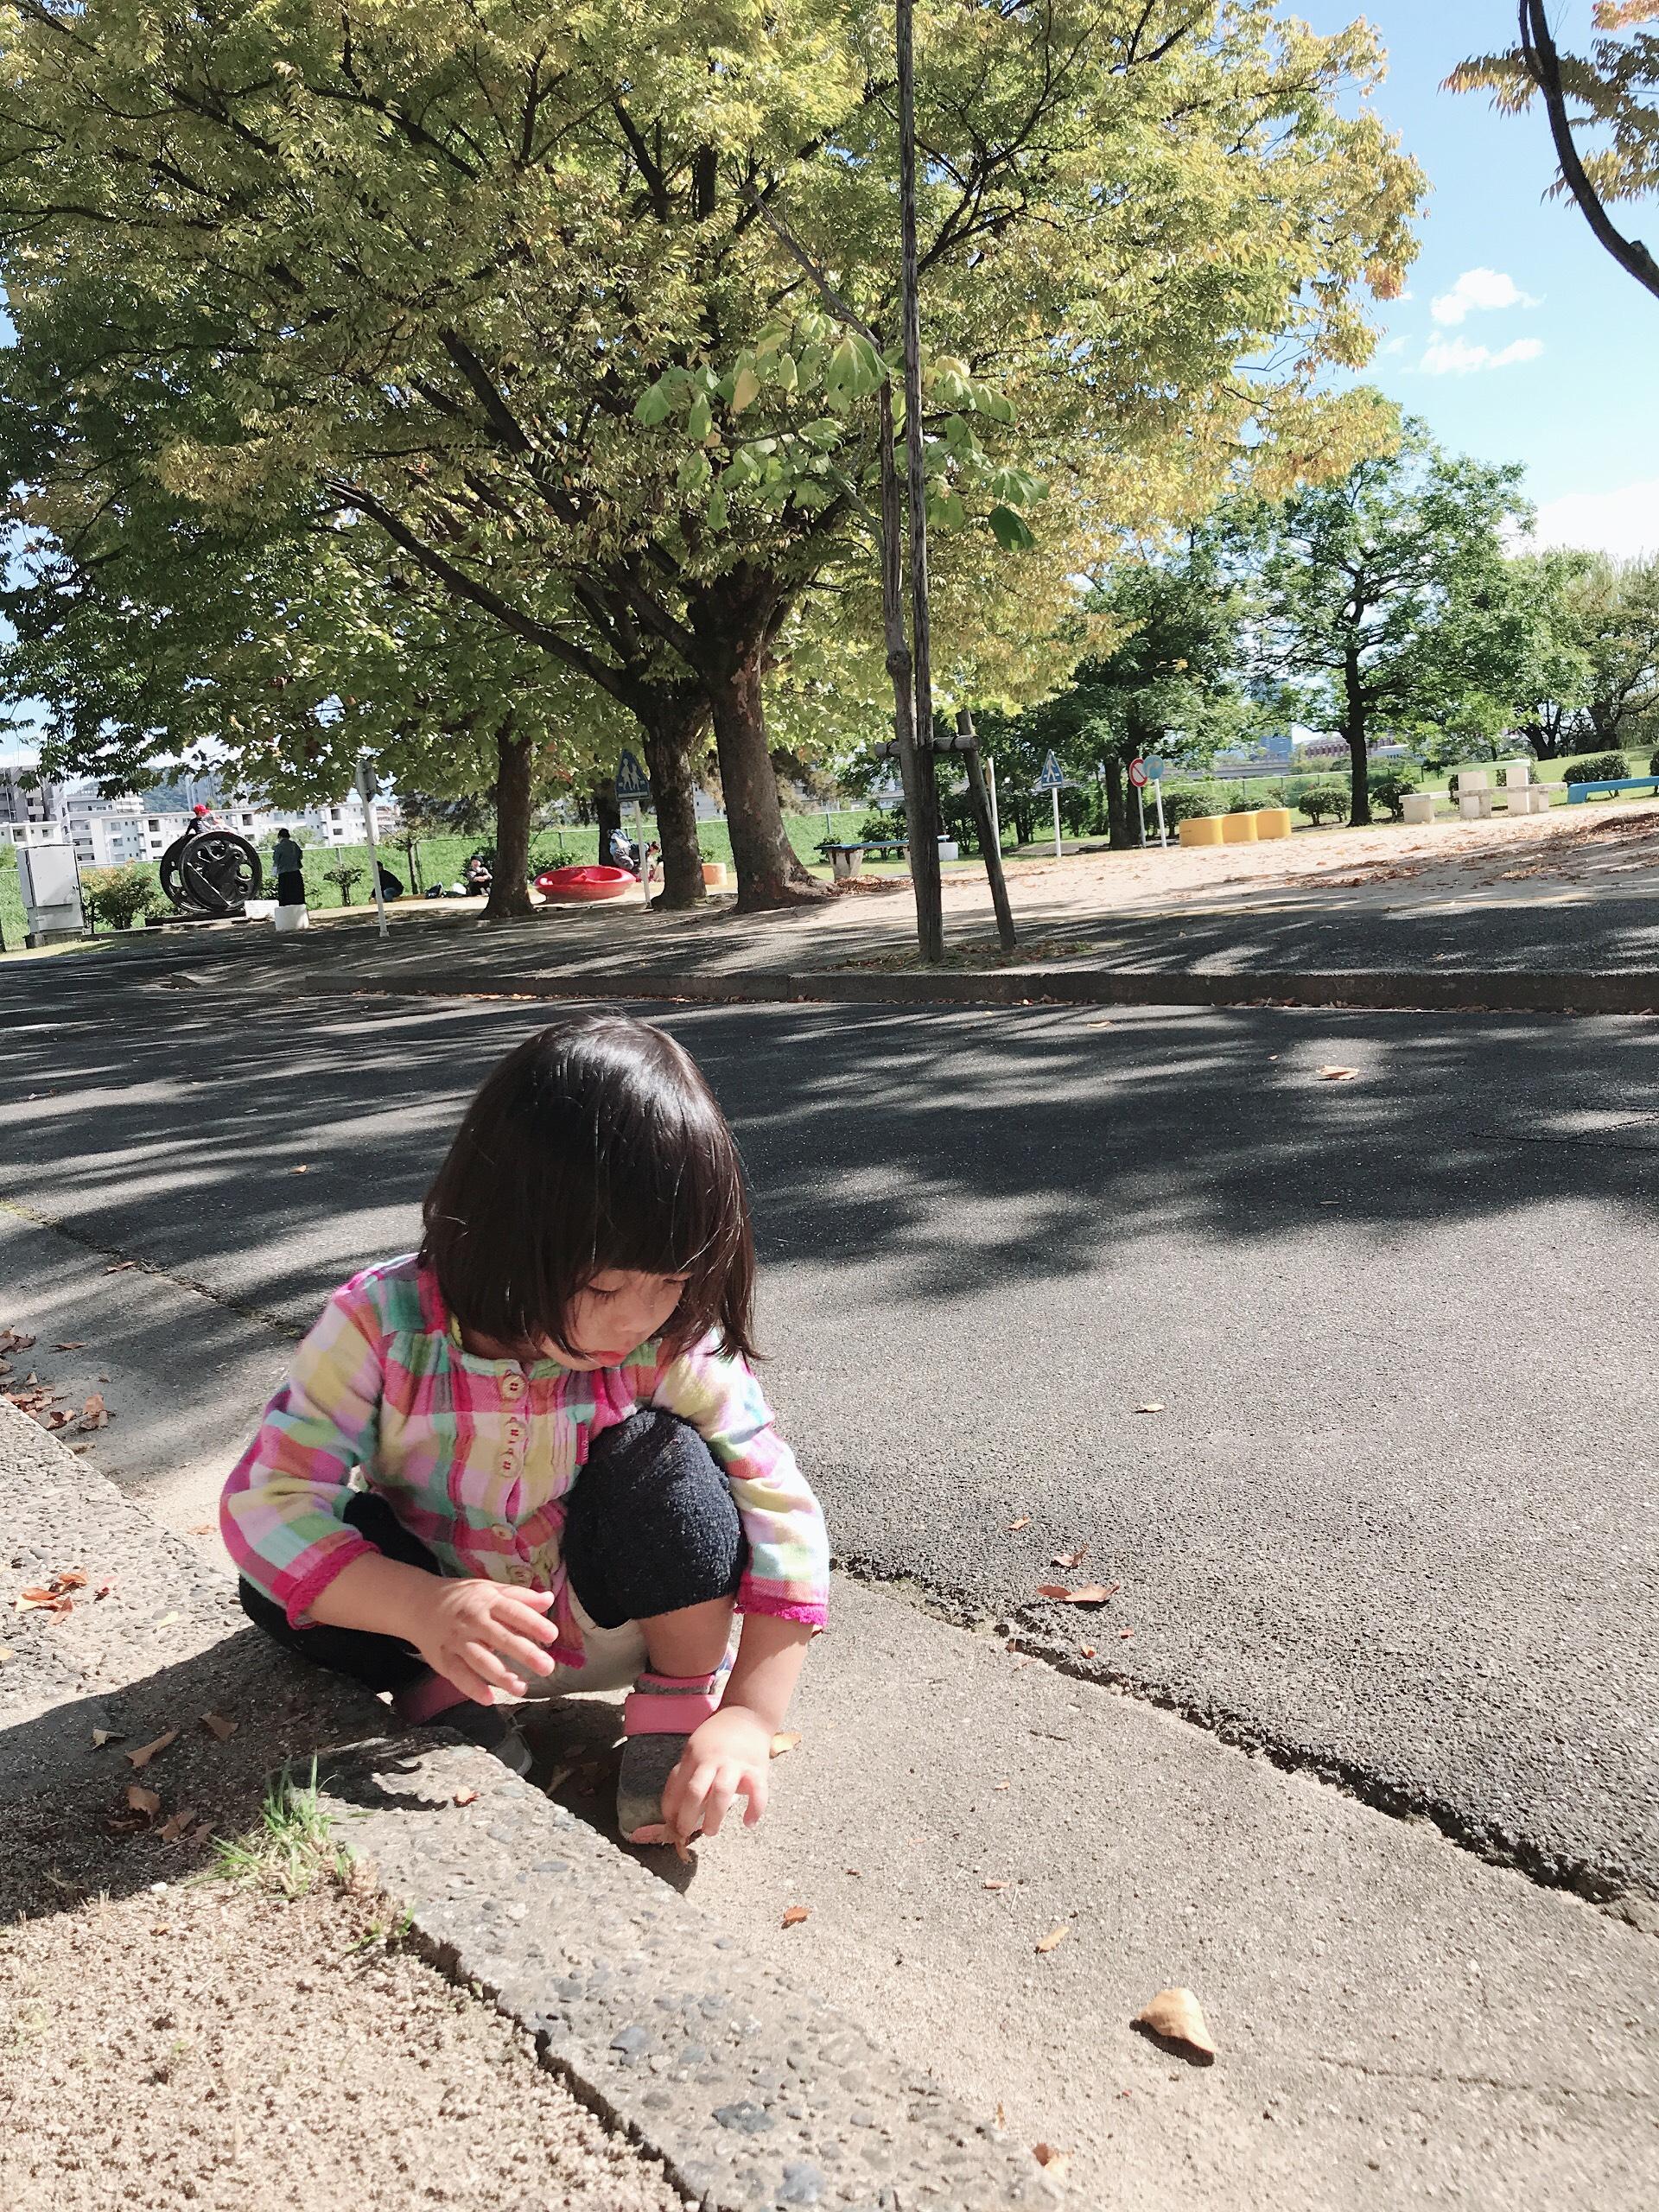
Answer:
[(119, 895), (344, 875), (1388, 787), (1324, 802), (1189, 802), (7, 855), (1386, 598), (1596, 768)]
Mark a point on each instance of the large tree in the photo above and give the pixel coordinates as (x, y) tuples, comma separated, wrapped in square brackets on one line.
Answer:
[(1385, 597), (1614, 611), (423, 261)]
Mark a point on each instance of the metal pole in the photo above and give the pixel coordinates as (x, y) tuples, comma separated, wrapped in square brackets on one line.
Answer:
[(1140, 804), (997, 819), (1054, 793), (374, 863), (924, 823), (1158, 797)]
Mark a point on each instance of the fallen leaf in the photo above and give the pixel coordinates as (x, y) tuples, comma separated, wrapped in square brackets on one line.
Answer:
[(1087, 1593), (220, 1725), (784, 1740), (121, 1267), (72, 1346), (1052, 2162), (299, 1171), (999, 1785), (143, 1800), (464, 1797), (70, 1579), (43, 1601), (1070, 1559), (796, 1914), (95, 1414), (1337, 1075), (1152, 1406), (14, 1340), (200, 1528), (102, 1736), (1174, 2015), (168, 1619), (1057, 1934), (175, 1824), (1085, 1652), (1024, 1521), (993, 1885), (201, 1831), (1002, 2120), (6, 1652), (145, 1752), (105, 1589)]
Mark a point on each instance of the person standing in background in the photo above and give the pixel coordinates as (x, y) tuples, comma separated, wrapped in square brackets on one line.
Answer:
[(288, 861)]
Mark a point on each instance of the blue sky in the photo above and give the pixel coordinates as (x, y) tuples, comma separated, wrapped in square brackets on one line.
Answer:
[(1545, 352)]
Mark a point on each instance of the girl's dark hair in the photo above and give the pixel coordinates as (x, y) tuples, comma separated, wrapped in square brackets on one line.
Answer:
[(595, 1145)]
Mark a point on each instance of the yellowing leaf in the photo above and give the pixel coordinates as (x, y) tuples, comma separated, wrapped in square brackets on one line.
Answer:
[(784, 1740), (796, 1914), (1057, 1934), (1087, 1593), (745, 390)]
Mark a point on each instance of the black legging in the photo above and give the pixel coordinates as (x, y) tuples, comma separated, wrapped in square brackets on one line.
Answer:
[(650, 1527)]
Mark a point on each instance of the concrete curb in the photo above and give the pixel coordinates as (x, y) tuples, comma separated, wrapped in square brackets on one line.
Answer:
[(1487, 992), (757, 2095)]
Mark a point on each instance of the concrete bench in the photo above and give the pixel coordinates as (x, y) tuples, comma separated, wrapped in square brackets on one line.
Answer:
[(846, 860), (1576, 792)]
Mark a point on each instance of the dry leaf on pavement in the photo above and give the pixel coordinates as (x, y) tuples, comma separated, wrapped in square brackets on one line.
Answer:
[(14, 1340), (175, 1824), (143, 1800), (1024, 1521), (1070, 1559), (993, 1885), (43, 1601), (1152, 1406), (102, 1736), (1057, 1934), (1337, 1075), (145, 1752), (95, 1414), (299, 1171), (1085, 1652), (784, 1740), (1174, 2015), (121, 1268), (464, 1797), (1087, 1593), (220, 1725), (168, 1619), (796, 1914), (1053, 2163), (72, 1346), (201, 1528)]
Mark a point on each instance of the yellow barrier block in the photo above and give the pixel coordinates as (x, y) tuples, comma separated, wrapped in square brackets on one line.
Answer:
[(1273, 822), (1200, 830), (1238, 829)]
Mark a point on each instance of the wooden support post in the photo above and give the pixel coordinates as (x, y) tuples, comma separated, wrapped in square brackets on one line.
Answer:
[(985, 823)]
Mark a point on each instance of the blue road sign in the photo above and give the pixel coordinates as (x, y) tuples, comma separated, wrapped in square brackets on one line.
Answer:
[(631, 781), (1053, 778), (1155, 768)]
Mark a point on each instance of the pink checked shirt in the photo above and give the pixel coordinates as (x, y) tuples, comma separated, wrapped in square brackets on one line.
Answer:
[(476, 1456)]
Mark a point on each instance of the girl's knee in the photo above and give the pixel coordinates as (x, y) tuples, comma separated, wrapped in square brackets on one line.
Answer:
[(651, 1525)]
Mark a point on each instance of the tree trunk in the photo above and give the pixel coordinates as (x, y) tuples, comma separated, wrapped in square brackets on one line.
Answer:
[(1120, 826), (671, 732), (509, 884), (768, 873), (1353, 728), (608, 814)]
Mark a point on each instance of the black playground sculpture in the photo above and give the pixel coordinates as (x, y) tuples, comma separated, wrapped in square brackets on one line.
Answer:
[(209, 874)]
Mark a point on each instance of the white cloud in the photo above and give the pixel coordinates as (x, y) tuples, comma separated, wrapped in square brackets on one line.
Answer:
[(1456, 356), (1396, 345), (1479, 290), (1623, 523)]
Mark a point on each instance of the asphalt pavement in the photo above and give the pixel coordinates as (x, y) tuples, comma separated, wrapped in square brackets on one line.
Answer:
[(1393, 1518)]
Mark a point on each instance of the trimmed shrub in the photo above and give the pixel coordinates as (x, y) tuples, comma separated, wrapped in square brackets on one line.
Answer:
[(345, 875), (1324, 802), (119, 895), (1597, 768), (1185, 806), (1388, 787)]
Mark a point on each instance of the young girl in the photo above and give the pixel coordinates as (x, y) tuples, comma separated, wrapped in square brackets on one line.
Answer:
[(532, 1458)]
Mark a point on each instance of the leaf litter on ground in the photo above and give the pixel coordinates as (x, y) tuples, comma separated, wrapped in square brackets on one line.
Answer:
[(1174, 2016), (1057, 1934), (145, 1752), (1088, 1593)]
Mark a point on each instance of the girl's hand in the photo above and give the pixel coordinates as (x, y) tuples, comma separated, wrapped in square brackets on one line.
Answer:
[(727, 1757), (483, 1636)]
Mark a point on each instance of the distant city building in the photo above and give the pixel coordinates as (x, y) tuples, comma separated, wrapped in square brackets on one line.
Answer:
[(109, 832)]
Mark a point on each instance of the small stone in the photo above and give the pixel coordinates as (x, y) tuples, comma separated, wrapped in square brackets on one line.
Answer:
[(802, 2185), (748, 2119), (631, 2041)]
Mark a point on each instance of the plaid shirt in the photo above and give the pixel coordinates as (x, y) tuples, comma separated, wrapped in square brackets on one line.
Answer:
[(477, 1456)]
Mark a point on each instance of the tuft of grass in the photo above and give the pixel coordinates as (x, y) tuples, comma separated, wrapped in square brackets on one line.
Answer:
[(292, 1847)]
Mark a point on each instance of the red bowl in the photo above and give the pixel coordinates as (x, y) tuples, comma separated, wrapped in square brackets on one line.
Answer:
[(579, 883)]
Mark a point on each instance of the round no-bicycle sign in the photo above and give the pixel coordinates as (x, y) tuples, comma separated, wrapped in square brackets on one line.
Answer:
[(1138, 773)]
